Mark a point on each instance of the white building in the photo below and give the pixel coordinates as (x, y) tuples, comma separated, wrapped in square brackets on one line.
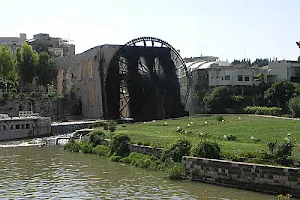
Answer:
[(13, 42), (219, 73), (230, 75), (282, 70)]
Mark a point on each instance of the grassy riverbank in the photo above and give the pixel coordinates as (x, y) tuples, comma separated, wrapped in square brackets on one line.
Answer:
[(252, 132)]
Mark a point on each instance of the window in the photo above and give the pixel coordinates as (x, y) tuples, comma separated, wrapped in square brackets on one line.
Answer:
[(227, 77), (240, 78), (17, 126), (247, 78), (27, 126)]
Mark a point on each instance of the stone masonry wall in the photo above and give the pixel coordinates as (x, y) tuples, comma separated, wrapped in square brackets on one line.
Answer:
[(55, 108), (270, 179)]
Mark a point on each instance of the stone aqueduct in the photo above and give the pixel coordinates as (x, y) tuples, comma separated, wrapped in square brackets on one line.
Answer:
[(144, 79)]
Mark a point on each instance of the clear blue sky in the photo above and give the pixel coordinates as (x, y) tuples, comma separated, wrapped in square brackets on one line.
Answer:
[(225, 28)]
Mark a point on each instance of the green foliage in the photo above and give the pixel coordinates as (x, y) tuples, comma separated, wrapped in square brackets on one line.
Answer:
[(6, 62), (142, 160), (112, 126), (119, 145), (96, 124), (176, 172), (230, 137), (100, 150), (259, 110), (181, 147), (72, 146), (86, 147), (45, 70), (14, 90), (280, 151), (294, 105), (220, 118), (27, 61), (218, 99), (279, 93), (116, 158), (96, 137), (207, 149)]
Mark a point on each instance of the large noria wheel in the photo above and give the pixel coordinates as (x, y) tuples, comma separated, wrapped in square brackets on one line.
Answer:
[(147, 79)]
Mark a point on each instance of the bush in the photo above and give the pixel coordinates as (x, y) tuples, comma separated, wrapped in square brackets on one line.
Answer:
[(72, 146), (220, 118), (280, 151), (21, 95), (14, 90), (207, 149), (116, 158), (86, 147), (218, 99), (294, 106), (176, 172), (119, 145), (230, 137), (142, 160), (100, 150), (181, 147), (96, 137), (259, 110), (96, 125)]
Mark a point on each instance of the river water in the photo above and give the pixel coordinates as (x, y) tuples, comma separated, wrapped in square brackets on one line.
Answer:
[(49, 172)]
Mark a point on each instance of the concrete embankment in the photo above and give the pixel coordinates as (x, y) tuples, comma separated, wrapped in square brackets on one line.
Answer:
[(256, 177), (69, 127)]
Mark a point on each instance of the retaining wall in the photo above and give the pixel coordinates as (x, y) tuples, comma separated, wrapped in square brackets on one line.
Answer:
[(263, 178), (69, 127)]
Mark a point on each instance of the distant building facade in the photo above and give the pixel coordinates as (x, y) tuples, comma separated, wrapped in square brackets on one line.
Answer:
[(13, 42), (282, 70), (56, 46)]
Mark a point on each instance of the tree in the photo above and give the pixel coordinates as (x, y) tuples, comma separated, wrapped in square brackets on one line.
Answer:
[(218, 99), (261, 62), (6, 62), (27, 60), (279, 93), (45, 70)]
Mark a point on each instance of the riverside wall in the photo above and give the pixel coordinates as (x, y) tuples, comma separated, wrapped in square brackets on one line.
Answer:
[(256, 177), (69, 127)]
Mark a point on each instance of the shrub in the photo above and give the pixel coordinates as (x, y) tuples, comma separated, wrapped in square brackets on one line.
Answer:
[(96, 125), (220, 118), (96, 137), (100, 150), (112, 126), (294, 106), (72, 146), (146, 143), (115, 158), (21, 95), (14, 90), (119, 145), (230, 137), (207, 149), (259, 110), (86, 147), (181, 147), (218, 99), (142, 160), (280, 151), (176, 172)]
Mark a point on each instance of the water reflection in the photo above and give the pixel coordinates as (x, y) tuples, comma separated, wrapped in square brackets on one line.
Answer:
[(51, 173)]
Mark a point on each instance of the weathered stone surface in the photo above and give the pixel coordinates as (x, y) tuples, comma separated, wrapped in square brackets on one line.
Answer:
[(244, 175)]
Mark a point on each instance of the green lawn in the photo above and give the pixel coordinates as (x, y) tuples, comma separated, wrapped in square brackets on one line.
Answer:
[(242, 126)]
